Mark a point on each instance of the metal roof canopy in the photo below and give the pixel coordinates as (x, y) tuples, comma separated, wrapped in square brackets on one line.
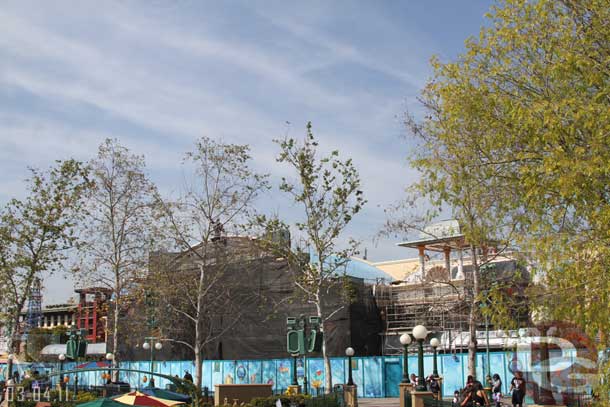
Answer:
[(93, 349), (438, 236)]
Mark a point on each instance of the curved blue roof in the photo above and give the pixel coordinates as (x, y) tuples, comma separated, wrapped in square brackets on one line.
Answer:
[(360, 269)]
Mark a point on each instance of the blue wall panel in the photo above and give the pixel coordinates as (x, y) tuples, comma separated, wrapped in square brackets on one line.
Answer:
[(339, 374), (374, 376), (373, 385), (284, 373), (242, 374), (316, 377), (451, 371)]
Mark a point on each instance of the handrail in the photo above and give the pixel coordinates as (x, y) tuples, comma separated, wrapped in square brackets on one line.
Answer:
[(175, 380)]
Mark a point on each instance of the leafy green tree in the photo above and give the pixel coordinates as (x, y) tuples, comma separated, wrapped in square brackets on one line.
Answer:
[(328, 190), (522, 119), (36, 234)]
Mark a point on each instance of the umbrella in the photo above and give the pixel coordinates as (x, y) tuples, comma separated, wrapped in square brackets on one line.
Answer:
[(92, 365), (135, 398), (102, 403), (166, 394)]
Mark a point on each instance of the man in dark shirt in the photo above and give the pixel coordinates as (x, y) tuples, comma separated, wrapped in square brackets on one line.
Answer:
[(517, 386)]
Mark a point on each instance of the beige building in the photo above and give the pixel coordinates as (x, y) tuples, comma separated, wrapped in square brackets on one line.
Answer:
[(398, 269)]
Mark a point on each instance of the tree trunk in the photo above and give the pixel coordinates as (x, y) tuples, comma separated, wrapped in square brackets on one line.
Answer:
[(198, 369), (115, 337), (198, 333), (12, 331), (472, 343), (198, 362), (473, 317), (328, 377)]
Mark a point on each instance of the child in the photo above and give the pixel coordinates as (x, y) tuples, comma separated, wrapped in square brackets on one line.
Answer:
[(456, 399), (496, 389)]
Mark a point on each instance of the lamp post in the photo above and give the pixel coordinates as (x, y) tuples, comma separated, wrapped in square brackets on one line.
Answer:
[(405, 340), (487, 362), (9, 367), (148, 344), (419, 333), (434, 343), (349, 352), (109, 358), (61, 358), (295, 381)]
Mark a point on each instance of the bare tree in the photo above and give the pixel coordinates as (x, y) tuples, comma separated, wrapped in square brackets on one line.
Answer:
[(196, 284), (118, 227)]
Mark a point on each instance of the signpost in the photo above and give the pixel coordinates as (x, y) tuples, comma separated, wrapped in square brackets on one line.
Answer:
[(76, 347), (303, 337)]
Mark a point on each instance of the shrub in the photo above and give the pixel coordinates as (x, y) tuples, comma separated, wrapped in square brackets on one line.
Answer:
[(27, 403), (57, 403), (300, 400), (83, 397)]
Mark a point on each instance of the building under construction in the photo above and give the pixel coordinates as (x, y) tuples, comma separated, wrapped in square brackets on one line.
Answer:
[(438, 292)]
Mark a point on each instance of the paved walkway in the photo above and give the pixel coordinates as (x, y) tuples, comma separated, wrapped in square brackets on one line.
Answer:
[(366, 402)]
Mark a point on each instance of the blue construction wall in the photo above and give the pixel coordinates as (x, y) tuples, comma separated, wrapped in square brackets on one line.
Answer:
[(374, 376)]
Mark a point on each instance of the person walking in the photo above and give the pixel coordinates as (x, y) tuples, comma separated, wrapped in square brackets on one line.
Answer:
[(496, 389), (517, 386)]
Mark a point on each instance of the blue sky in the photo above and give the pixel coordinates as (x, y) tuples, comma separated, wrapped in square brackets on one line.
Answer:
[(158, 74)]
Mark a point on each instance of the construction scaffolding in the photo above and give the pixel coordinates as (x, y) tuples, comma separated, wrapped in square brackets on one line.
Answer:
[(440, 307), (438, 293)]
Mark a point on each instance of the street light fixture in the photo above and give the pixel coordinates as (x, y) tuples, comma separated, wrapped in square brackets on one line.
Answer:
[(419, 333), (109, 358), (434, 343), (405, 340), (61, 358), (148, 345), (350, 352)]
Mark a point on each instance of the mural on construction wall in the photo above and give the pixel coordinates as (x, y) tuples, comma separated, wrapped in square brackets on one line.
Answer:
[(375, 376)]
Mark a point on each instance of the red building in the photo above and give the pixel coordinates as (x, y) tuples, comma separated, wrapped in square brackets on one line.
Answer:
[(92, 312)]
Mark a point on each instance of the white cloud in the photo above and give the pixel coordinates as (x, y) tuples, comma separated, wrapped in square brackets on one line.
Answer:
[(169, 81), (351, 52)]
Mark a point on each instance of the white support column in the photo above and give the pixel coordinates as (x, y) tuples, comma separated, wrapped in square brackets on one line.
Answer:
[(447, 250), (460, 273), (422, 261)]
